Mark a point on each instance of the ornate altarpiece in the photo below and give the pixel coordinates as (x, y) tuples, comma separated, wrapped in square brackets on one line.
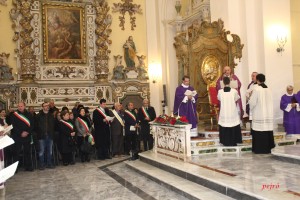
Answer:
[(68, 82), (202, 52)]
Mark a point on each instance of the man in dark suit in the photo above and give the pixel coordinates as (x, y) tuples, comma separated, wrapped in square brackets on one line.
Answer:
[(146, 114), (131, 124), (102, 131), (22, 134)]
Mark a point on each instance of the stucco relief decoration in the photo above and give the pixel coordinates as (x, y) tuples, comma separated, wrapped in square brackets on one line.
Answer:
[(169, 139), (7, 90), (127, 6), (21, 16), (103, 22), (118, 71), (3, 2), (65, 72), (5, 70), (16, 16), (122, 89)]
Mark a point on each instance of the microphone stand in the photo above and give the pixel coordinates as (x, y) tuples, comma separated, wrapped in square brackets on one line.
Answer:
[(163, 106)]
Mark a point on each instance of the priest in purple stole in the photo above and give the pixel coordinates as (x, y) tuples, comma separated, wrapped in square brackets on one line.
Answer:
[(289, 104), (234, 83), (185, 105)]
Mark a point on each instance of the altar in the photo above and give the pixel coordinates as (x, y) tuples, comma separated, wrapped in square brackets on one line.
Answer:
[(172, 140)]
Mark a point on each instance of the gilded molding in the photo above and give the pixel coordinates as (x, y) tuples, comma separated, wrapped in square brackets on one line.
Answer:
[(22, 17), (103, 22)]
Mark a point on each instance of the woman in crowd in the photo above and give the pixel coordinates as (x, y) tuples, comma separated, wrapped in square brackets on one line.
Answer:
[(67, 138), (3, 117), (83, 127), (4, 125)]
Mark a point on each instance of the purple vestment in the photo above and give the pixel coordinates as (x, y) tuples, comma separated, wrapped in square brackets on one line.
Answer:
[(233, 77), (187, 109), (291, 119)]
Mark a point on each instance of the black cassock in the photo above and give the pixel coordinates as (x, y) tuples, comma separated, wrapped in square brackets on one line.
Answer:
[(101, 134)]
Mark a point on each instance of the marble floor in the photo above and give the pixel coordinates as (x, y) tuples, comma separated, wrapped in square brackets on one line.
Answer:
[(262, 175), (109, 179)]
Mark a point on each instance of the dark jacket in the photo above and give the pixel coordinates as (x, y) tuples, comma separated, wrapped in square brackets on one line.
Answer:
[(44, 125), (19, 125), (145, 126), (129, 121), (66, 140)]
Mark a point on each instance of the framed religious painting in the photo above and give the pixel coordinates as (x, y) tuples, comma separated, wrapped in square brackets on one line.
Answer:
[(64, 37)]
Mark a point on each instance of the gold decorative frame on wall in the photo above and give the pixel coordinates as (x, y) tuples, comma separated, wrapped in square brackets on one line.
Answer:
[(64, 37)]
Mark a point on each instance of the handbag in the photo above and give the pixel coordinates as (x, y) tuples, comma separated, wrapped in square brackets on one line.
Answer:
[(86, 147), (72, 141)]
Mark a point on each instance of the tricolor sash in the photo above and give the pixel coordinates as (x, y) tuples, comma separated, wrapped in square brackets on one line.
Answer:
[(68, 124), (22, 118), (145, 112), (131, 115), (118, 117), (102, 113), (84, 124)]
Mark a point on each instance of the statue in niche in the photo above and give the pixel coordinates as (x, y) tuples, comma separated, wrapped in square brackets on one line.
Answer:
[(141, 69), (129, 53), (5, 70), (118, 71)]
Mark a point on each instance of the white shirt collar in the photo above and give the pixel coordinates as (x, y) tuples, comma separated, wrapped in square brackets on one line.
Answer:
[(289, 94), (185, 86)]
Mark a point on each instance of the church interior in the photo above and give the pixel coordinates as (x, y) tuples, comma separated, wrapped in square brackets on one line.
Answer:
[(71, 51)]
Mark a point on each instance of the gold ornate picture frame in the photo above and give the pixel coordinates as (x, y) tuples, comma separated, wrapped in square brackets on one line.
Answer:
[(64, 37)]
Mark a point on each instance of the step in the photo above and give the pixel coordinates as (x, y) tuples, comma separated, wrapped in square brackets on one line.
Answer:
[(289, 154), (221, 149), (223, 180), (215, 134), (180, 185), (203, 142)]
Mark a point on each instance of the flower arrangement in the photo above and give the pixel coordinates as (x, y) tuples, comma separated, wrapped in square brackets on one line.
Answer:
[(165, 119)]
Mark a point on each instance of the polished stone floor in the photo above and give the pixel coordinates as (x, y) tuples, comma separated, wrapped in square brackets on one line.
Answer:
[(262, 176), (257, 172), (109, 179)]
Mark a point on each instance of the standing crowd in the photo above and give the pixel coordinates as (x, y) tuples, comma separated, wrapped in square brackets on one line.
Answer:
[(107, 133)]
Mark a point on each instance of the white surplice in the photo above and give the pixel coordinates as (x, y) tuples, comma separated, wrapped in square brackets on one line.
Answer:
[(229, 116), (261, 106)]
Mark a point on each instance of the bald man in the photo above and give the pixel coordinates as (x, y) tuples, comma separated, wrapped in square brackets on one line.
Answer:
[(249, 92), (146, 114), (291, 111), (235, 83)]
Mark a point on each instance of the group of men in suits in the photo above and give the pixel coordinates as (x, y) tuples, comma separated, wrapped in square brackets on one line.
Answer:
[(119, 135)]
